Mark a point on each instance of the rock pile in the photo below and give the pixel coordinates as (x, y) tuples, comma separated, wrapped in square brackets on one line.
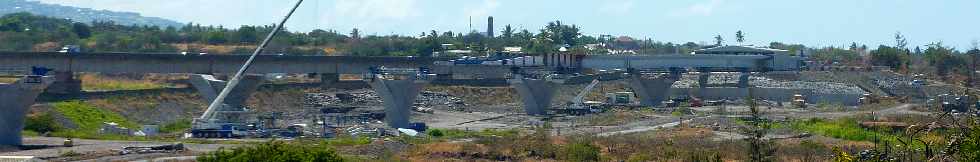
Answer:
[(441, 100)]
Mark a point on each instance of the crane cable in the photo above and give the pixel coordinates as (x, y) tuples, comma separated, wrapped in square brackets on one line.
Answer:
[(238, 76)]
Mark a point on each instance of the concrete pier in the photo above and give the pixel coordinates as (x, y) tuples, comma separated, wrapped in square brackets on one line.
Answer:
[(651, 91), (65, 84), (703, 76), (328, 79), (209, 87), (536, 94), (398, 96), (743, 80), (15, 100)]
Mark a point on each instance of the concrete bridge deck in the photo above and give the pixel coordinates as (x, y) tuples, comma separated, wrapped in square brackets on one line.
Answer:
[(203, 64)]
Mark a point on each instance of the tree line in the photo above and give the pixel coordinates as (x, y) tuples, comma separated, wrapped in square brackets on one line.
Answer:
[(27, 32)]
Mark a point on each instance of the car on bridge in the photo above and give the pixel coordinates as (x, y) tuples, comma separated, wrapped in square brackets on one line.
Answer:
[(70, 49)]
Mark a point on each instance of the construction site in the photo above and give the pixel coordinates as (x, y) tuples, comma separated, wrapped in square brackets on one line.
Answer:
[(602, 105), (584, 102)]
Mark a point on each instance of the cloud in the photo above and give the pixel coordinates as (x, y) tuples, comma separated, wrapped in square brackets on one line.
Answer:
[(699, 9), (617, 7), (483, 9)]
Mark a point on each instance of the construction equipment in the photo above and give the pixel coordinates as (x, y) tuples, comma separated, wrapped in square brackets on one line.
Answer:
[(621, 98), (207, 125), (174, 148), (799, 101), (696, 102), (868, 98), (579, 101)]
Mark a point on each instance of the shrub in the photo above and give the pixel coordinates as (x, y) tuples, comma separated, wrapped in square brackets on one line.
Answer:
[(273, 151), (581, 151), (435, 133), (348, 141), (176, 126), (41, 123)]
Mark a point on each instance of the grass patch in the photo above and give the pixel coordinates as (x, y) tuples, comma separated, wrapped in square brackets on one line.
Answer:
[(89, 120), (846, 128), (273, 151), (28, 133), (8, 80), (457, 134), (348, 141), (176, 126), (99, 83)]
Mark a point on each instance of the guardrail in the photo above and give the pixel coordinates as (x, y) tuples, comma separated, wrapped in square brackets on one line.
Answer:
[(12, 71)]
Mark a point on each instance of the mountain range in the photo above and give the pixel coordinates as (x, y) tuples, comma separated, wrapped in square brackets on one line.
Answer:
[(85, 15)]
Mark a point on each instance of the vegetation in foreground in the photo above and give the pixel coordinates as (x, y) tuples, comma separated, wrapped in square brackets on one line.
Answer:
[(274, 151), (86, 120)]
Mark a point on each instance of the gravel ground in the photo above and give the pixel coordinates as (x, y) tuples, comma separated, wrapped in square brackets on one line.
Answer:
[(100, 150), (688, 81)]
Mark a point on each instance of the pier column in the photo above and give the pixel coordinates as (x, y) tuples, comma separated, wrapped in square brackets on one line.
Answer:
[(328, 79), (65, 84), (15, 100), (703, 76), (209, 87), (536, 94), (651, 91), (398, 96), (743, 79)]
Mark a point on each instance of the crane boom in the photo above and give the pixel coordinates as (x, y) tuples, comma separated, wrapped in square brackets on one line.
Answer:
[(238, 75), (580, 98)]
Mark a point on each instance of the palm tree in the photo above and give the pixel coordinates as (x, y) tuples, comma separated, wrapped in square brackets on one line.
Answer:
[(739, 37)]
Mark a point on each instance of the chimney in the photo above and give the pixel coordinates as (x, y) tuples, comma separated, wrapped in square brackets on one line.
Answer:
[(490, 27)]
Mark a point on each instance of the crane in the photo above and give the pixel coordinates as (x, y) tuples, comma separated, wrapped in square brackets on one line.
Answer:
[(207, 121), (579, 101)]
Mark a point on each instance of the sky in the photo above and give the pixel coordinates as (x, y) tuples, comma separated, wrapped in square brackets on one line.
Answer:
[(809, 22)]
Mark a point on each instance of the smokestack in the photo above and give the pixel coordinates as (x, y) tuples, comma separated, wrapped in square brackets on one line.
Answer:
[(490, 27)]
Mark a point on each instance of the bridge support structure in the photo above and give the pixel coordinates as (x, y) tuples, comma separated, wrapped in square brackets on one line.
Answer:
[(398, 96), (703, 76), (15, 100), (65, 83), (652, 91), (235, 104), (329, 79), (536, 94), (743, 79)]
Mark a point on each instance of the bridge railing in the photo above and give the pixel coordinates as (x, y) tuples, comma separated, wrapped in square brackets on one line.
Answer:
[(12, 71)]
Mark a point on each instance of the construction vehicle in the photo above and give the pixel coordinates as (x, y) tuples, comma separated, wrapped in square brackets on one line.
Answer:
[(868, 98), (209, 125), (798, 101), (696, 102), (620, 98), (579, 103)]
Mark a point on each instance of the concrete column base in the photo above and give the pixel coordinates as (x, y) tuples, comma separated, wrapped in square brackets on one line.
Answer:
[(398, 97), (703, 78), (209, 87), (651, 92), (15, 100), (536, 94), (65, 84), (329, 79), (743, 80)]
